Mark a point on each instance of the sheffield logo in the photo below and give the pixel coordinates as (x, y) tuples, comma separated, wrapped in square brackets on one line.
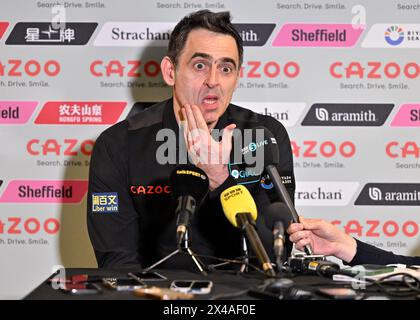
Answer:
[(407, 116), (134, 34), (106, 202), (347, 114), (318, 35), (389, 194), (16, 112), (393, 36), (80, 112), (254, 35), (46, 33), (44, 191)]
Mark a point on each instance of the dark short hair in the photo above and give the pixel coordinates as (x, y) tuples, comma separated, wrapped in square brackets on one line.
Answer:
[(204, 19)]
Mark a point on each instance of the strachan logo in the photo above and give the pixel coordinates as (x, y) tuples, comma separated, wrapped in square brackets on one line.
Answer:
[(45, 33), (325, 193), (347, 114), (134, 34), (288, 113), (389, 194)]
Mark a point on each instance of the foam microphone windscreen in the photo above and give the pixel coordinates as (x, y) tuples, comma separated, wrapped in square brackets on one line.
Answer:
[(189, 180), (237, 199), (277, 211)]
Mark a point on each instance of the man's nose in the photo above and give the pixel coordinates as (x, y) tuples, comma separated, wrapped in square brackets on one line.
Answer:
[(212, 79)]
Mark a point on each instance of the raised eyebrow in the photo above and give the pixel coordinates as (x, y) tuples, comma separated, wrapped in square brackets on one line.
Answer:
[(229, 60), (201, 55), (209, 57)]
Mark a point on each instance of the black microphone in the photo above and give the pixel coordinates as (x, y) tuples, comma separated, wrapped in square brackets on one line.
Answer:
[(189, 187), (271, 160), (277, 218)]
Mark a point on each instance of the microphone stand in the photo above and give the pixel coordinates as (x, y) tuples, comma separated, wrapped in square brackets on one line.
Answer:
[(244, 258), (181, 249)]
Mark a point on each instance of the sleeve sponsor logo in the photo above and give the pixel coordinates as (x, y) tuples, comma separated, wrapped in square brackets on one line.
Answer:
[(106, 202)]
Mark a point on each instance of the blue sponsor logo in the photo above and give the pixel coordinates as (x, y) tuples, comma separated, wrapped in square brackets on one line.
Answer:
[(266, 183), (106, 202), (243, 174)]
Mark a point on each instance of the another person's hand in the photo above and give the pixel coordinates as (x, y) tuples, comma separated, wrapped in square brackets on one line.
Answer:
[(323, 237), (206, 153)]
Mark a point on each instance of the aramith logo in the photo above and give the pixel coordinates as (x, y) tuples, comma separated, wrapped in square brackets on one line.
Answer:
[(45, 33), (254, 35), (389, 194), (347, 114)]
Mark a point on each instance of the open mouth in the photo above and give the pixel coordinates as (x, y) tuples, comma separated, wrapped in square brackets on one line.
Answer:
[(210, 100)]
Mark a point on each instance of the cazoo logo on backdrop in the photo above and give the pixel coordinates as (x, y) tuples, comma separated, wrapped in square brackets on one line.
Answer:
[(374, 228), (322, 149), (29, 68), (389, 194), (374, 70)]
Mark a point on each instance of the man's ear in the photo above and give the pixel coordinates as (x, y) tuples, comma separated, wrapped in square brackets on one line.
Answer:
[(168, 71)]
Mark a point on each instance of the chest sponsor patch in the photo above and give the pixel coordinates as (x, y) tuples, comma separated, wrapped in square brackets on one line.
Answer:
[(106, 202), (243, 174)]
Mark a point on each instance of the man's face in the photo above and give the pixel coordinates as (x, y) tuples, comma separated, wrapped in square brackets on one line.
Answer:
[(206, 74)]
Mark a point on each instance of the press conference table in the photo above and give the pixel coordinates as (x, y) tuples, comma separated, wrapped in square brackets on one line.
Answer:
[(223, 283)]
